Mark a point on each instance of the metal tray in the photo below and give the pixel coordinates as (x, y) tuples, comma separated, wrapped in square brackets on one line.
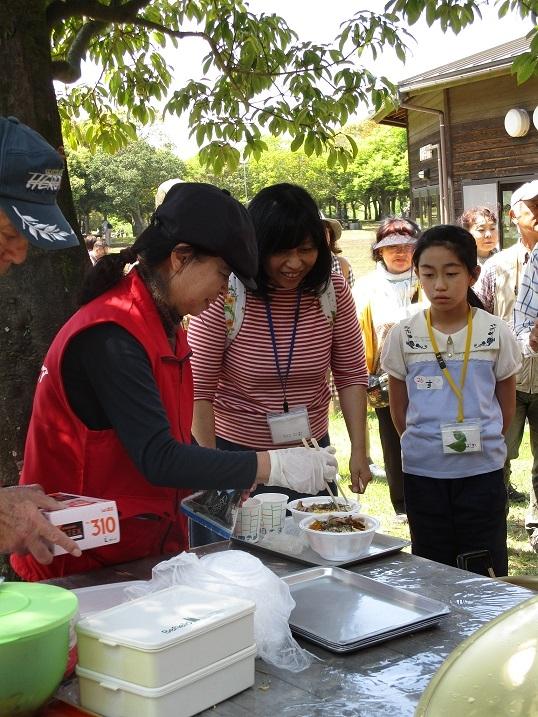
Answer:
[(343, 611), (381, 546)]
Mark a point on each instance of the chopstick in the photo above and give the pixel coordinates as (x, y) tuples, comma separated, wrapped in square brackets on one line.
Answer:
[(338, 486), (334, 499)]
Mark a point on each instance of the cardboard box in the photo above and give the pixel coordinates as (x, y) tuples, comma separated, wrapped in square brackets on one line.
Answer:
[(91, 522)]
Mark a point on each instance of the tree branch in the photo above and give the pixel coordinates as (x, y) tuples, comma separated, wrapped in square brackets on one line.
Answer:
[(60, 10), (68, 70)]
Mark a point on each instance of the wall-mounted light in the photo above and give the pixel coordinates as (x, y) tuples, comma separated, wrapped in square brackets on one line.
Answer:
[(517, 122), (535, 117)]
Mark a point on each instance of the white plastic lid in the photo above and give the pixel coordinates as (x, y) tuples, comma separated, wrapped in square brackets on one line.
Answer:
[(167, 617), (114, 684)]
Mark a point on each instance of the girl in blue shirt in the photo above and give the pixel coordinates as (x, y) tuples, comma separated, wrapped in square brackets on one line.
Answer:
[(452, 375)]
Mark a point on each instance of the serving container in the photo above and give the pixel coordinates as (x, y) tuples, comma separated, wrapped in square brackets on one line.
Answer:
[(164, 636), (340, 546), (368, 611), (181, 698), (34, 644), (102, 597), (293, 545), (299, 515)]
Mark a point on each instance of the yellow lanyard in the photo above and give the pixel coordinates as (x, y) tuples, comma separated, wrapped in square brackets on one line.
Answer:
[(458, 390)]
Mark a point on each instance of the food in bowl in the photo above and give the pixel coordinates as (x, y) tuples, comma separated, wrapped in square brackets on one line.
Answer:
[(321, 506), (337, 524), (316, 507), (328, 539)]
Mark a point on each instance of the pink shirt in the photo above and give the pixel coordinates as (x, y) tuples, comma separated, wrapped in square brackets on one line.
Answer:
[(242, 381)]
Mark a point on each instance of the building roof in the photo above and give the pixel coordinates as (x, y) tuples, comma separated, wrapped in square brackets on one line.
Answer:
[(495, 61), (500, 57)]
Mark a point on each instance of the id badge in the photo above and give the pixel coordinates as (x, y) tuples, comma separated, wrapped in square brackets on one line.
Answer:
[(289, 427), (461, 437)]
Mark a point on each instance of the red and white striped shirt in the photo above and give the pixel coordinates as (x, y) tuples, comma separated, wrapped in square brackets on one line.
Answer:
[(242, 380)]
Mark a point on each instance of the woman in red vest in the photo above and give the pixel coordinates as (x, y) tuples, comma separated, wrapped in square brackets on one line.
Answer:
[(113, 405)]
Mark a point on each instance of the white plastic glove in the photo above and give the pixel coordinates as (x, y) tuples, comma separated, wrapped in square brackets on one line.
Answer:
[(304, 470)]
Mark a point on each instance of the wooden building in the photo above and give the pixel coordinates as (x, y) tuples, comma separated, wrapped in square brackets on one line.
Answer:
[(460, 151)]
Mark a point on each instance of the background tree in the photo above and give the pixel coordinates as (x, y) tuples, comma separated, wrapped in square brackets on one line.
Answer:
[(380, 169), (123, 184), (86, 196)]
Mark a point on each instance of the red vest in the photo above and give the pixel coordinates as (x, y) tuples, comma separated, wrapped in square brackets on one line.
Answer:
[(63, 455)]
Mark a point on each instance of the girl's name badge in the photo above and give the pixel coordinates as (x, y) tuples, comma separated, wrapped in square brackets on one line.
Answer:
[(428, 383), (461, 437), (289, 427)]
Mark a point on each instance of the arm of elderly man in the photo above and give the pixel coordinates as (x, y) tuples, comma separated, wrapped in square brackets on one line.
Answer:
[(24, 529), (526, 308)]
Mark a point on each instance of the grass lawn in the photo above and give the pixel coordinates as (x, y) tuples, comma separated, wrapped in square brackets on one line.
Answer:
[(522, 559)]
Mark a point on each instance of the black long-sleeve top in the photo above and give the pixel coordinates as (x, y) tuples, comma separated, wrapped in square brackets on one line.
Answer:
[(109, 384)]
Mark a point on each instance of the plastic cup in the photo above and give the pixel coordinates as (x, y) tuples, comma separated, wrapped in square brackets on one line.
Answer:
[(273, 512), (247, 524)]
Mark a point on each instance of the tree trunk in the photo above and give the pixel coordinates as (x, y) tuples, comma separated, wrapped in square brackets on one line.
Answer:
[(36, 298), (137, 222)]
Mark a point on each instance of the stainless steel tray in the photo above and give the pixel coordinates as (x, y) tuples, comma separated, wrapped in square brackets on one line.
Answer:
[(343, 611), (381, 546)]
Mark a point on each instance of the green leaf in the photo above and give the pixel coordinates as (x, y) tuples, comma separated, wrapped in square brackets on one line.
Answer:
[(310, 143), (458, 446), (297, 142)]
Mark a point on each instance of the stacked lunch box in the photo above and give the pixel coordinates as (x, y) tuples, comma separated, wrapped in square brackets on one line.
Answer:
[(171, 653)]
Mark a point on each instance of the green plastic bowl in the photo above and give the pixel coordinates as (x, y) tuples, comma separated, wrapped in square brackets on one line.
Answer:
[(34, 644)]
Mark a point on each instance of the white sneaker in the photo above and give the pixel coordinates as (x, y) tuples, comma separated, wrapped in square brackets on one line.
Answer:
[(377, 471)]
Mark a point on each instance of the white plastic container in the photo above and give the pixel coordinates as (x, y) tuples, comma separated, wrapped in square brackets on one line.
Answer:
[(299, 515), (181, 698), (102, 597), (164, 636), (340, 546)]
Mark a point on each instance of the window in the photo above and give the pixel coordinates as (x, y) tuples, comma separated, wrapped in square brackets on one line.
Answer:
[(426, 206)]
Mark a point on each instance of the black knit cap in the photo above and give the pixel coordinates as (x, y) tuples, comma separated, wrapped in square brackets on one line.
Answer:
[(209, 218)]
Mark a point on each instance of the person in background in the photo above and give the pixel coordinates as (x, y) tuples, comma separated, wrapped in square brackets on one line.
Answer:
[(106, 232), (525, 316), (481, 222), (452, 374), (30, 176), (164, 188), (498, 288), (384, 297), (261, 357), (113, 404), (340, 265), (96, 247)]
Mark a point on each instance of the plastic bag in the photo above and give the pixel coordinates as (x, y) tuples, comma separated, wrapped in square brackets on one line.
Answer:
[(214, 509), (239, 574)]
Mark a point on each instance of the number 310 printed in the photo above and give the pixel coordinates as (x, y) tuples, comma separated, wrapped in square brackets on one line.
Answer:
[(101, 526)]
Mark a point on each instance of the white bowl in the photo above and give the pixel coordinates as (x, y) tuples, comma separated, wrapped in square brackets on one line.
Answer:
[(340, 546), (299, 515)]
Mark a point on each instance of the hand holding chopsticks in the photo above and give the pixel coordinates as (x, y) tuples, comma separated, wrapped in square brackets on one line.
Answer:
[(316, 447)]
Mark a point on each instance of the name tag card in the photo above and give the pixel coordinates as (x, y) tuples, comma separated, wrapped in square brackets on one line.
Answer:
[(289, 427), (464, 437)]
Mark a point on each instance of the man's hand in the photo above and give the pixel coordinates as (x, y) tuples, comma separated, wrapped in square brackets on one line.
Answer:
[(533, 337), (23, 528)]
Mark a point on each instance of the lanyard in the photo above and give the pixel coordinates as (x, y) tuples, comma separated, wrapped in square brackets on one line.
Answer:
[(457, 390), (284, 379)]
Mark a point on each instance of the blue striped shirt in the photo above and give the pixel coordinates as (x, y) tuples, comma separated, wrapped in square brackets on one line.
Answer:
[(526, 306)]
